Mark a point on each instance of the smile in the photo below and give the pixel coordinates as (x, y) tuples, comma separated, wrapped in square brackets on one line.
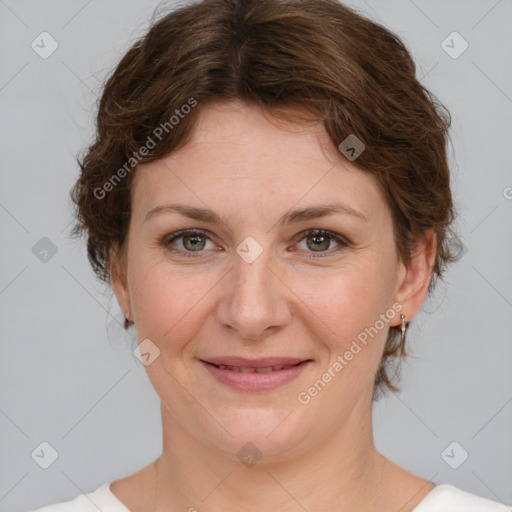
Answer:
[(259, 370), (261, 375)]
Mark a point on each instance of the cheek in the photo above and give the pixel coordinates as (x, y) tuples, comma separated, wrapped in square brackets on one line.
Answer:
[(169, 303), (348, 297), (346, 306)]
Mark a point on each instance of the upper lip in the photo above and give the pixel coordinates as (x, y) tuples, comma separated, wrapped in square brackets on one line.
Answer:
[(262, 362)]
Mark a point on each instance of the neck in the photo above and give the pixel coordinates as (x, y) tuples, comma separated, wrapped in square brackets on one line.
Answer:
[(343, 472)]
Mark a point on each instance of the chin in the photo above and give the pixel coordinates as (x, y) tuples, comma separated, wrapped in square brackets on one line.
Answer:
[(266, 433)]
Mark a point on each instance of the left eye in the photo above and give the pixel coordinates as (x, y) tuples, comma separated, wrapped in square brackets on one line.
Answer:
[(317, 241)]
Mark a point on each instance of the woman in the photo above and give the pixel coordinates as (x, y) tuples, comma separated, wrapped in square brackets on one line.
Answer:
[(268, 195)]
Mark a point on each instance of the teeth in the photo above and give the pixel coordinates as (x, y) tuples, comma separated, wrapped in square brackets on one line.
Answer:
[(252, 370)]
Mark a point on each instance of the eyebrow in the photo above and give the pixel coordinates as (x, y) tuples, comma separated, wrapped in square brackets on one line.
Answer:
[(291, 217)]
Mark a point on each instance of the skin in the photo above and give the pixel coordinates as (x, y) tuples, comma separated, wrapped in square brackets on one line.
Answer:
[(291, 301)]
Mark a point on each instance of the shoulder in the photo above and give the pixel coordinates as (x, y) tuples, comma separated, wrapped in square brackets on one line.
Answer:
[(101, 498), (448, 497)]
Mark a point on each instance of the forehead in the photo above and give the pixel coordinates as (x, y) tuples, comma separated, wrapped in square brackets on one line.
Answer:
[(241, 156)]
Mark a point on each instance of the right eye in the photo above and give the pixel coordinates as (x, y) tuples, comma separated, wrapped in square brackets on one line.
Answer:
[(191, 241)]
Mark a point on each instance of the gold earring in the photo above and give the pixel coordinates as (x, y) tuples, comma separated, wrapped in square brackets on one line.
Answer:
[(404, 328)]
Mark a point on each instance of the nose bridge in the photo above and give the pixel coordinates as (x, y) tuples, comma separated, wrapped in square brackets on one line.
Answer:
[(252, 281), (254, 301)]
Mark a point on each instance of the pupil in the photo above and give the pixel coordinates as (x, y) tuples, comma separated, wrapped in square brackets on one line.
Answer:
[(196, 242), (321, 240)]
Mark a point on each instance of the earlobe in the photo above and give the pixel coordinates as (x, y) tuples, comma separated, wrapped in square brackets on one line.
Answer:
[(119, 282), (416, 277)]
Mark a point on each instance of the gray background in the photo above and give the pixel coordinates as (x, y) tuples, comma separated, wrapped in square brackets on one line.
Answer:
[(67, 374)]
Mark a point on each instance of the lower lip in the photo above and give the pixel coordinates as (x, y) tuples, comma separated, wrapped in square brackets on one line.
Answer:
[(255, 381)]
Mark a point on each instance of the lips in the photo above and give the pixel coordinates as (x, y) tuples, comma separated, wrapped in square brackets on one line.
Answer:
[(250, 369), (262, 374), (275, 363)]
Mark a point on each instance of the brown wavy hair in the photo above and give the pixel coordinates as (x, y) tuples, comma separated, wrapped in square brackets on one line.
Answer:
[(326, 61)]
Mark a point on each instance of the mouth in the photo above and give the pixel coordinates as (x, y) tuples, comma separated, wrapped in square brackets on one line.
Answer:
[(255, 374), (248, 369)]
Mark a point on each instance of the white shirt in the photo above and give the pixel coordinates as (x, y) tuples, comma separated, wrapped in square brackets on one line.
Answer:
[(442, 498)]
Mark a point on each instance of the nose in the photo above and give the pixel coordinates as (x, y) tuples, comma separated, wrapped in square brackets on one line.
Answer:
[(255, 301)]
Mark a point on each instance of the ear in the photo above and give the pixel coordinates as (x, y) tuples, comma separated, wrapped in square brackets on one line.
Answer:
[(119, 280), (414, 279)]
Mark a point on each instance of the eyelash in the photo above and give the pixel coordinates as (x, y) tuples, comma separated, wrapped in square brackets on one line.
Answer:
[(169, 239)]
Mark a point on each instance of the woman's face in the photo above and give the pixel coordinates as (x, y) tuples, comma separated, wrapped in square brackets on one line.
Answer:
[(256, 290)]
